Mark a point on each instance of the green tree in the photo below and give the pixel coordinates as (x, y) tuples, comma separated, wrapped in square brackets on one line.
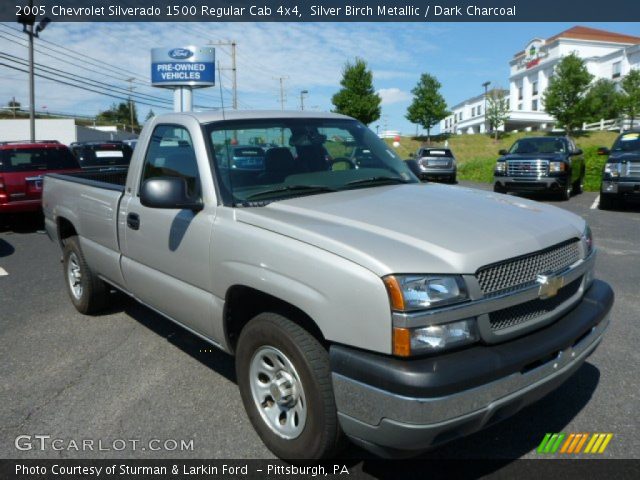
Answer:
[(497, 109), (120, 114), (631, 95), (357, 98), (564, 98), (603, 101), (428, 106)]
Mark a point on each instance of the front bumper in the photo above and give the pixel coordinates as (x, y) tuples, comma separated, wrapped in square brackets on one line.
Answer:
[(428, 172), (621, 187), (531, 184), (388, 404)]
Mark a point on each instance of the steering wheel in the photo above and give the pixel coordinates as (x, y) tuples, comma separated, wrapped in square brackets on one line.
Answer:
[(342, 163)]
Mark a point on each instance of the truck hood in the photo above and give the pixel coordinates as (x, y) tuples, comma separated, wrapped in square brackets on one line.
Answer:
[(535, 156), (418, 228), (633, 157)]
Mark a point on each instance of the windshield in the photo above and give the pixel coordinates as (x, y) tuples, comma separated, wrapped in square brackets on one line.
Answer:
[(272, 159), (539, 145), (627, 142), (29, 159), (103, 155)]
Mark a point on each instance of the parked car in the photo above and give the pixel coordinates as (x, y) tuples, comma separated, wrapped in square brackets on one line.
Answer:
[(436, 164), (22, 166), (541, 164), (621, 172), (102, 155), (132, 142), (351, 308)]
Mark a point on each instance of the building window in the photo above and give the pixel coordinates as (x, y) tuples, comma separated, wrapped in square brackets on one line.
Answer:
[(461, 116), (479, 109), (534, 105), (534, 88), (616, 69), (520, 93), (520, 106), (473, 111)]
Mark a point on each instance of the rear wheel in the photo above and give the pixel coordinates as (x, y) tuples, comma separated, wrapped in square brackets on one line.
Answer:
[(285, 383), (578, 186), (87, 292)]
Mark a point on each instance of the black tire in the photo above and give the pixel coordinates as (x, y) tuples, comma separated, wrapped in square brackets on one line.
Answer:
[(578, 186), (93, 294), (498, 189), (565, 192), (320, 436), (608, 202)]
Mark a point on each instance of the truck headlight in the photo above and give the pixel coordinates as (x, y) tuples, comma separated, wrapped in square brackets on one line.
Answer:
[(587, 241), (434, 338), (613, 169), (557, 167), (418, 292), (501, 167)]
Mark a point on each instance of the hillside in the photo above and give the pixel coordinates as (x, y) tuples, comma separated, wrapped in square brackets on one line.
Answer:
[(476, 154)]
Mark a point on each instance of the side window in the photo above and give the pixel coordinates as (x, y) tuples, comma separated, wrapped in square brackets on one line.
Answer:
[(171, 154)]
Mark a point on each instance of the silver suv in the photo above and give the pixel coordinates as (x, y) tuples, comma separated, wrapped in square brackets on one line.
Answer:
[(436, 164)]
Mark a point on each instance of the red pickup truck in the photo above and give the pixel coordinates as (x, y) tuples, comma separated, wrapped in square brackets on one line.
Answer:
[(22, 165)]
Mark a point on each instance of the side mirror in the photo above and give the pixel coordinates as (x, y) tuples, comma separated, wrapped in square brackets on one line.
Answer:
[(412, 155), (603, 151), (168, 192), (413, 166), (502, 152), (577, 151)]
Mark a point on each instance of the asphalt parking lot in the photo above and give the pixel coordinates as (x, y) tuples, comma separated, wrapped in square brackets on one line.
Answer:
[(130, 374)]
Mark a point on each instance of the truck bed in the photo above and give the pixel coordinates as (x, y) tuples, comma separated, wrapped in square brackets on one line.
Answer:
[(113, 179)]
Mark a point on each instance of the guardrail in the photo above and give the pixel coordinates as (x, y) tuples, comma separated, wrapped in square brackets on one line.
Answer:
[(614, 124)]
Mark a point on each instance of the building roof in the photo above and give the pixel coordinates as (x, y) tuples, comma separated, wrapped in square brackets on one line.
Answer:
[(587, 33)]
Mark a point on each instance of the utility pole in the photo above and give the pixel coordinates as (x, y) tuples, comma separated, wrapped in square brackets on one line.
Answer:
[(486, 89), (131, 87), (282, 92), (302, 94), (234, 70)]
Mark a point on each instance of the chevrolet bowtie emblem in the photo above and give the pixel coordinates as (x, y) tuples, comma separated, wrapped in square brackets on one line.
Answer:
[(549, 285)]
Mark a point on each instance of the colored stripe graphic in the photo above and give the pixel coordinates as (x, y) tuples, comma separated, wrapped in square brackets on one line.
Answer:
[(572, 444)]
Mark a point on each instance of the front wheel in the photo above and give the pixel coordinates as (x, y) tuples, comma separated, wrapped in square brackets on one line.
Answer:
[(285, 383), (608, 202), (578, 186), (498, 189), (565, 193), (87, 292)]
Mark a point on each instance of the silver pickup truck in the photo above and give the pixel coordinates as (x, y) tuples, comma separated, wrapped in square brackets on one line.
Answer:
[(357, 301)]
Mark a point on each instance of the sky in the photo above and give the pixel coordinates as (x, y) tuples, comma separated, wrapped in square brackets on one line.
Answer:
[(310, 55)]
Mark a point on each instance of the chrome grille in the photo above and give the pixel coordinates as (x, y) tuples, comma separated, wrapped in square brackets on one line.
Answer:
[(522, 271), (527, 168), (525, 312), (633, 169)]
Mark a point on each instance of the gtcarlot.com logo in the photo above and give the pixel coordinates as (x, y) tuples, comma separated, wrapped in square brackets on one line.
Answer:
[(574, 443)]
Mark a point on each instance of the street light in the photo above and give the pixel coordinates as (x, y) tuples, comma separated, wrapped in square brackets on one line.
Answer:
[(486, 87), (28, 22), (302, 94)]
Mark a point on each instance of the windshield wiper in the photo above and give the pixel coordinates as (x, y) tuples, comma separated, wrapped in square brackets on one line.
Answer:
[(375, 180), (291, 188)]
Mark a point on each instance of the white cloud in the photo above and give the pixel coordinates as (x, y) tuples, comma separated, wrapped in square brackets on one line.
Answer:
[(393, 95)]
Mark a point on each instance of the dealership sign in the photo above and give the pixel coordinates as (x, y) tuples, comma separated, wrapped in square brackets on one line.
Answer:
[(183, 67)]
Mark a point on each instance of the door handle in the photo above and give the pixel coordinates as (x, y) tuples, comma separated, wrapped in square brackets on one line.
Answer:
[(133, 221)]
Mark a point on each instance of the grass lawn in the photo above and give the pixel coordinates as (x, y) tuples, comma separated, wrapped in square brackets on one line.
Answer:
[(477, 154)]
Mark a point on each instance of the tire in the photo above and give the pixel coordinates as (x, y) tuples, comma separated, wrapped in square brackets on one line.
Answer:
[(565, 193), (88, 293), (275, 356), (608, 202), (498, 189), (578, 186)]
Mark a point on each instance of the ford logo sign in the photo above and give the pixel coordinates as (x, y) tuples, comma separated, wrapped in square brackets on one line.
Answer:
[(180, 53)]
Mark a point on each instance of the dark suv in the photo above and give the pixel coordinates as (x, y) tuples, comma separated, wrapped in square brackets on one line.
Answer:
[(102, 155), (621, 173), (541, 164)]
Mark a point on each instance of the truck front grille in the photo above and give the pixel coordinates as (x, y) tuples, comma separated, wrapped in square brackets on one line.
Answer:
[(527, 168), (523, 271), (531, 310), (633, 169)]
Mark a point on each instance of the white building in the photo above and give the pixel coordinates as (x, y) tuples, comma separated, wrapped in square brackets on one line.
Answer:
[(606, 55), (63, 130)]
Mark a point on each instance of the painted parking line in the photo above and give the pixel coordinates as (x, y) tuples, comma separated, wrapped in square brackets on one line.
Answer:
[(595, 203), (3, 272)]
